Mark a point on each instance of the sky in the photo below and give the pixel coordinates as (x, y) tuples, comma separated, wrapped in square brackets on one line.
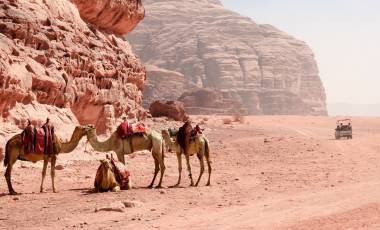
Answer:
[(344, 35)]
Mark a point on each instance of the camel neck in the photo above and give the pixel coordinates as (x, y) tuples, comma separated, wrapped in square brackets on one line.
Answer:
[(168, 140), (97, 145), (68, 147)]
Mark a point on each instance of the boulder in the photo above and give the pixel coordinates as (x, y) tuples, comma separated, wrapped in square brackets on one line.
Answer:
[(116, 16), (170, 109)]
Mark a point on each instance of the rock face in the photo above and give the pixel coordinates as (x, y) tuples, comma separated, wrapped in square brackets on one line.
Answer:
[(211, 101), (171, 109), (259, 66), (50, 56), (163, 83)]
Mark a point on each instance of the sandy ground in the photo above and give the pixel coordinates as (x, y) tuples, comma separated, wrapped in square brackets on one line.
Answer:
[(268, 173)]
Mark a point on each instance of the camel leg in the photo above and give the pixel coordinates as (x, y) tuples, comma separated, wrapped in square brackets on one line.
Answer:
[(162, 170), (52, 171), (209, 169), (179, 158), (7, 175), (189, 169), (156, 169), (200, 157), (120, 157), (46, 161)]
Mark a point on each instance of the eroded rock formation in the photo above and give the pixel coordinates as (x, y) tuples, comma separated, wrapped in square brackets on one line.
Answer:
[(50, 56), (259, 66)]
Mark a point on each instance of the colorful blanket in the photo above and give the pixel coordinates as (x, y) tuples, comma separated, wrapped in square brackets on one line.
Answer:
[(38, 143), (126, 129), (121, 173)]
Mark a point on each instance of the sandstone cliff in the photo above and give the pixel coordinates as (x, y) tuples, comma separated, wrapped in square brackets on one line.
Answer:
[(50, 56), (258, 66)]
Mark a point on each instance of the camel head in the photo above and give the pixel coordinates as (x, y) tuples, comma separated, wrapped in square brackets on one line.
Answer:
[(167, 134), (82, 130), (105, 178), (90, 130)]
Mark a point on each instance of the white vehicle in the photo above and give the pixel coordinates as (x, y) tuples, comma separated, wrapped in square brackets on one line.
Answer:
[(343, 129)]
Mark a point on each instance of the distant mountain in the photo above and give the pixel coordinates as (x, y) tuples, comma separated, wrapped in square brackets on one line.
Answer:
[(225, 60), (336, 109)]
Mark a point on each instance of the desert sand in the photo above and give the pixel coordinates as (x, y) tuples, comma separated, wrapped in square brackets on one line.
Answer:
[(270, 172)]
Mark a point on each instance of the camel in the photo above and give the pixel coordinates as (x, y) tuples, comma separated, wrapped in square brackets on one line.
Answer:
[(14, 149), (112, 176), (105, 179), (151, 141), (199, 146)]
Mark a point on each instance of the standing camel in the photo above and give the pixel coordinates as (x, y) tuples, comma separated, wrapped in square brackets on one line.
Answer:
[(199, 146), (151, 141), (14, 149)]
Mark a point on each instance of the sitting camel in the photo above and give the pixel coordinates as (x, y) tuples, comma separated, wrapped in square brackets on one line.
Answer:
[(14, 149), (105, 179), (199, 146), (112, 175), (151, 141)]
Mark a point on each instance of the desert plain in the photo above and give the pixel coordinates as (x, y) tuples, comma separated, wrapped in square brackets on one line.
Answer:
[(269, 172)]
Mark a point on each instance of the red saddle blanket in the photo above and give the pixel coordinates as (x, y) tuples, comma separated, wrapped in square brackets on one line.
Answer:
[(40, 141), (121, 173), (126, 129), (138, 128), (39, 144)]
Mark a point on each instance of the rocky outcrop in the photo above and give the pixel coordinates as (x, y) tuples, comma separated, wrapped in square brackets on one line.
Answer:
[(170, 109), (163, 83), (261, 67), (50, 56), (116, 16)]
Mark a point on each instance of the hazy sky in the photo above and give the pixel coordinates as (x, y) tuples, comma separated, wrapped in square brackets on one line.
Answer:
[(344, 35)]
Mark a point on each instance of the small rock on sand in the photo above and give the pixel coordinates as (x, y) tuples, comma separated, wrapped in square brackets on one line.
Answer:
[(132, 204), (114, 207), (59, 167)]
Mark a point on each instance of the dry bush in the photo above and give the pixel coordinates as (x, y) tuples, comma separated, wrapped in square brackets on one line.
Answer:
[(238, 118), (227, 121), (205, 119)]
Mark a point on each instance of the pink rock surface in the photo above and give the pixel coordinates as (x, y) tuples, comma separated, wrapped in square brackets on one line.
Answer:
[(50, 56)]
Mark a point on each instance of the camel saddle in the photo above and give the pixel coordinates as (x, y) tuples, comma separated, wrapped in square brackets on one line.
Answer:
[(34, 142), (121, 173), (127, 129)]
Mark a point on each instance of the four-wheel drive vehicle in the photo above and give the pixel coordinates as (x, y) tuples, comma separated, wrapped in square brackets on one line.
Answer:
[(343, 129)]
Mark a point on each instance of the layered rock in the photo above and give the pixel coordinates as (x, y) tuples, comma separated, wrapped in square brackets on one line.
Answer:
[(50, 56), (261, 67), (211, 101)]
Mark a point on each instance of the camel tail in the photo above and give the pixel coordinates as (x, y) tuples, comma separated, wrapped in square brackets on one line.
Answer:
[(6, 158)]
